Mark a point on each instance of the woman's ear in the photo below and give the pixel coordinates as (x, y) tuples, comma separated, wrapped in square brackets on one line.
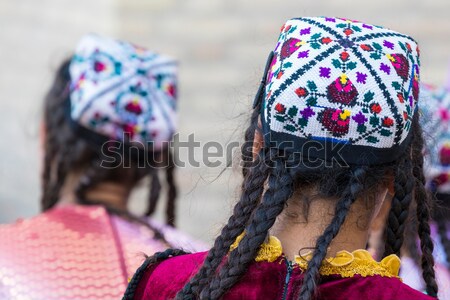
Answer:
[(258, 140)]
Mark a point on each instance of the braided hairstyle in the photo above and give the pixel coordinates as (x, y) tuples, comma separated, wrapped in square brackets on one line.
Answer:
[(257, 210), (67, 154)]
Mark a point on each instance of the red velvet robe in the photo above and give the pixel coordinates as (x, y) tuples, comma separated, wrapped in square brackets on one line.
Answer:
[(267, 280)]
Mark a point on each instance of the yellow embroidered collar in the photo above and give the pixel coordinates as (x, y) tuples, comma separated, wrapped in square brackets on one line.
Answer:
[(346, 264)]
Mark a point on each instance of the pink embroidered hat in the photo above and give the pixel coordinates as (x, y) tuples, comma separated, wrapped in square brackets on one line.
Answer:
[(338, 89), (436, 126), (122, 92)]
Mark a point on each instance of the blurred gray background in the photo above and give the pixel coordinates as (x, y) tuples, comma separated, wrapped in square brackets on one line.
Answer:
[(222, 47)]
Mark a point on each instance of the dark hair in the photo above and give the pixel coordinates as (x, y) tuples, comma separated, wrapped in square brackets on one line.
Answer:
[(66, 152), (256, 211)]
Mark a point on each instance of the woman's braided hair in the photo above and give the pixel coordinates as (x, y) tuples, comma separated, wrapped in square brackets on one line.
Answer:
[(257, 210), (67, 153)]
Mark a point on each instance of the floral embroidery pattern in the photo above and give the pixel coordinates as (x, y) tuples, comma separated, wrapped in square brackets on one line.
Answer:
[(123, 91), (344, 80)]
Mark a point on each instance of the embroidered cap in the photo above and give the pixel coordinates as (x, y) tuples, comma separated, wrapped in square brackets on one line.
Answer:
[(342, 90), (435, 121), (122, 92)]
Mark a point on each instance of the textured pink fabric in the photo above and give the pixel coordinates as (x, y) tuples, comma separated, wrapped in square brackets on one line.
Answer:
[(267, 280), (72, 252)]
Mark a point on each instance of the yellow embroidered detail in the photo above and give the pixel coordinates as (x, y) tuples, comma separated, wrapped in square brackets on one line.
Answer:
[(358, 262), (346, 264), (269, 251)]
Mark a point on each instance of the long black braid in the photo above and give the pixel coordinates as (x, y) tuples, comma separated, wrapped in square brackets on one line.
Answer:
[(280, 189), (423, 207), (252, 189), (254, 170), (398, 214)]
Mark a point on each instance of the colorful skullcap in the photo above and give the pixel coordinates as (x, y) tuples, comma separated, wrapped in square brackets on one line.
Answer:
[(338, 89), (435, 120), (122, 92)]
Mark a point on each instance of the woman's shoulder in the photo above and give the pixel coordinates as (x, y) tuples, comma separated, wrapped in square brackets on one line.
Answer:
[(165, 278)]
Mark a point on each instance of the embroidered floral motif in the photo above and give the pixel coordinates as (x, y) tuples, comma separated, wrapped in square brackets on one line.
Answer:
[(343, 80)]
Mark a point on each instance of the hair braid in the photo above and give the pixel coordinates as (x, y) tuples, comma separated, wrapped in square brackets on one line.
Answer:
[(155, 189), (252, 188), (398, 214), (311, 277), (423, 213), (280, 189), (150, 261), (249, 137), (171, 190)]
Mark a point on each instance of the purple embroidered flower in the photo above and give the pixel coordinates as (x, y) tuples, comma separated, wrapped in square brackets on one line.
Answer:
[(305, 31), (360, 118), (385, 68), (388, 44), (307, 113), (330, 20), (361, 77), (276, 47), (367, 26), (325, 72), (303, 54)]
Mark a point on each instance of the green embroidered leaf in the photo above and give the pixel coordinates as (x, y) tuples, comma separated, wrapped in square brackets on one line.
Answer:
[(312, 101), (402, 46), (280, 118), (351, 65), (293, 111), (369, 96), (292, 29), (316, 36), (375, 55), (356, 28), (377, 46), (311, 86), (365, 110), (302, 122), (361, 128), (341, 25), (336, 63), (396, 85), (287, 65), (374, 121), (290, 128), (372, 139), (315, 45), (385, 132)]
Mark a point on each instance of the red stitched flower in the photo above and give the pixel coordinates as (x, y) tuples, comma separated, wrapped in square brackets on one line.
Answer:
[(326, 40), (344, 56), (301, 92), (99, 66), (400, 97), (375, 108), (280, 108), (348, 31), (388, 122), (405, 115), (366, 47)]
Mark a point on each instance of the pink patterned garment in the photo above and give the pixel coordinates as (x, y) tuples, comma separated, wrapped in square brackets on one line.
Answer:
[(76, 252)]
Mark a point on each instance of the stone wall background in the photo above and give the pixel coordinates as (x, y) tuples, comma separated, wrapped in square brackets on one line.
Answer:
[(222, 47)]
